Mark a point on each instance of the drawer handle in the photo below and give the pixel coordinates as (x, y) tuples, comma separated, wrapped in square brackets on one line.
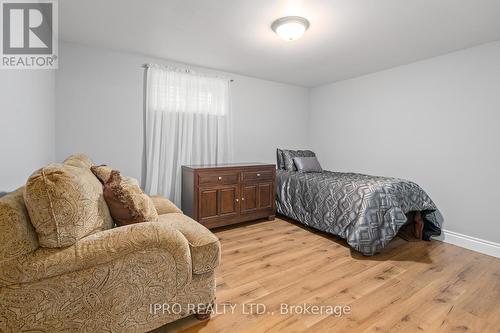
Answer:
[(258, 175), (220, 178)]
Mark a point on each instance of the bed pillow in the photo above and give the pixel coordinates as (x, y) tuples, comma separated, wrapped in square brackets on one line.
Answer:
[(288, 156), (307, 164), (279, 159)]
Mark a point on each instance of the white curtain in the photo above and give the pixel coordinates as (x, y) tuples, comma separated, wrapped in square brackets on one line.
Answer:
[(188, 121)]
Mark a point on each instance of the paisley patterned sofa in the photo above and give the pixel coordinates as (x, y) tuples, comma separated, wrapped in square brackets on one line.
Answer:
[(127, 279)]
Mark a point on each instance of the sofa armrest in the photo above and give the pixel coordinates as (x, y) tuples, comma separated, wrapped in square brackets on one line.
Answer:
[(205, 246), (164, 206), (100, 248)]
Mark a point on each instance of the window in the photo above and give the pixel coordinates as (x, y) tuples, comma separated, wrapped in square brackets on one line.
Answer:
[(172, 91), (188, 121)]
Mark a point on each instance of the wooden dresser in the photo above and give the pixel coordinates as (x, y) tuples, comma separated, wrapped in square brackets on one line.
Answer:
[(218, 195)]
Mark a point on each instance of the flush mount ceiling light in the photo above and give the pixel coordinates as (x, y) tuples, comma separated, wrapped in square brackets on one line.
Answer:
[(290, 27)]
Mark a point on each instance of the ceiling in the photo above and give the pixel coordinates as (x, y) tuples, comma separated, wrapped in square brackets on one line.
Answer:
[(347, 38)]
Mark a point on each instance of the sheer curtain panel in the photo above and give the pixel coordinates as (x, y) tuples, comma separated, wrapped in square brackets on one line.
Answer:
[(188, 121)]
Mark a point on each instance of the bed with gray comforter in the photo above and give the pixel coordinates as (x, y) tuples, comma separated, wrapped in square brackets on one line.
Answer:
[(367, 211)]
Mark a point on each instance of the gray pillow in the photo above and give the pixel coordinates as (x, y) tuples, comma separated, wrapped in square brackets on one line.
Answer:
[(307, 164), (279, 159), (288, 156), (3, 193)]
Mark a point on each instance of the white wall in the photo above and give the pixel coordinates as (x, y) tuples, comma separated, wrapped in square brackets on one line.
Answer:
[(436, 122), (100, 110), (27, 124)]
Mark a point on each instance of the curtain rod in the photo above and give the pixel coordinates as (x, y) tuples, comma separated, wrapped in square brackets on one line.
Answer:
[(186, 70)]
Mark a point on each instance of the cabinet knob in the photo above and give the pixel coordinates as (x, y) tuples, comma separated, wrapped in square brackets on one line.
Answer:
[(220, 178), (242, 199), (258, 175), (237, 200)]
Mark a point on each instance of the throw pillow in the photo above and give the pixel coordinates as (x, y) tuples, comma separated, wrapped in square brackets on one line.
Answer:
[(126, 202), (79, 160), (102, 172), (65, 204)]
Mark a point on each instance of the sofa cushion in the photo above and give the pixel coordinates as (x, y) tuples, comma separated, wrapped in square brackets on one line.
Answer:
[(65, 203), (204, 245), (17, 235), (127, 203), (164, 206)]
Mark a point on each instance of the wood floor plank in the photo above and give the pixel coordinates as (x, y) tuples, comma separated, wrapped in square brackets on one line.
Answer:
[(410, 286)]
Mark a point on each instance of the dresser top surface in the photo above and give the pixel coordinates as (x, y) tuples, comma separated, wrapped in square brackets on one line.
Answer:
[(227, 165)]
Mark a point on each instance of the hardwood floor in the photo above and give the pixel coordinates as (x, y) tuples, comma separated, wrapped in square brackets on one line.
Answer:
[(411, 286)]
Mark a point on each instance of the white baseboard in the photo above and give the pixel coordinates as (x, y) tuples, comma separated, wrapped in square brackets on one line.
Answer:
[(471, 243)]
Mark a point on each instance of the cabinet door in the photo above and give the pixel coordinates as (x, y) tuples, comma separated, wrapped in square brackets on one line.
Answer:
[(249, 198), (228, 201), (207, 204), (266, 195)]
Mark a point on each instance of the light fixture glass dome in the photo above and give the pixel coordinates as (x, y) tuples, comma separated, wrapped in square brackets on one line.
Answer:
[(290, 27)]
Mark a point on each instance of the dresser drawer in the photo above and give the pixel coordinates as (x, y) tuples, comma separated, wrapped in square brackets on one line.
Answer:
[(218, 178), (251, 176)]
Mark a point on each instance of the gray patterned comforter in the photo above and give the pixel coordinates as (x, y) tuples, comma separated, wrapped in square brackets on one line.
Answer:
[(367, 211)]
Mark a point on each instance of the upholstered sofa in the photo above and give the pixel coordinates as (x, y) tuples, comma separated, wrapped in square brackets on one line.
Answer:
[(133, 278)]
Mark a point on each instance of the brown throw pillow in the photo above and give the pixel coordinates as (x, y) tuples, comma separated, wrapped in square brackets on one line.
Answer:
[(126, 202), (102, 172)]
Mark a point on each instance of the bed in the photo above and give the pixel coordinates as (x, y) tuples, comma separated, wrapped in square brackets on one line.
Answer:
[(366, 211)]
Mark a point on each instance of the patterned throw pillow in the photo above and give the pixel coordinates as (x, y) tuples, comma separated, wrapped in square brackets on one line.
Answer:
[(103, 172), (288, 156), (65, 204), (127, 203)]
